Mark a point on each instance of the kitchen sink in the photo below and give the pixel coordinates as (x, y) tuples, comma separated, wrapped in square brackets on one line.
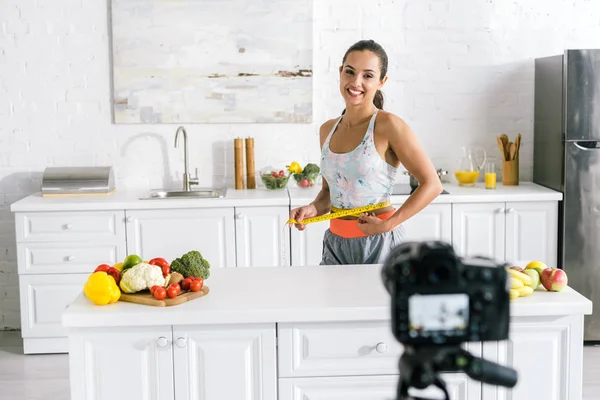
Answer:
[(182, 194)]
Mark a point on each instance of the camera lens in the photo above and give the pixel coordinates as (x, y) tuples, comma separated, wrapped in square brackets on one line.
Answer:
[(439, 273)]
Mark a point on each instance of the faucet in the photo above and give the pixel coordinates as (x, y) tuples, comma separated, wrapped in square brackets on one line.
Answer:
[(187, 181)]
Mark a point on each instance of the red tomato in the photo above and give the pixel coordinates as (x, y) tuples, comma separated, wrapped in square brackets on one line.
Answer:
[(102, 268), (176, 286), (196, 285), (281, 174), (172, 292), (201, 281), (160, 293), (115, 273), (185, 284), (153, 289)]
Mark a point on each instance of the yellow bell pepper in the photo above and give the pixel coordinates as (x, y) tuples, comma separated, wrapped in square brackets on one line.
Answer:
[(118, 266), (295, 168), (101, 289)]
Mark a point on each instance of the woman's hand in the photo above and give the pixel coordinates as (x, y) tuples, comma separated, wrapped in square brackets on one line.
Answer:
[(301, 213), (369, 224)]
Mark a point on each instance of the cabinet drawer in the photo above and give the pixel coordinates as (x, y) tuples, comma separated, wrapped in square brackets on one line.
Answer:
[(330, 349), (43, 300), (72, 257), (70, 226)]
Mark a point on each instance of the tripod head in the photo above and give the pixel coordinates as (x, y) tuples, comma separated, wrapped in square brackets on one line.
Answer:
[(420, 368)]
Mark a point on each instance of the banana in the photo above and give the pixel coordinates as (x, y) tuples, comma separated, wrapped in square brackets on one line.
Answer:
[(525, 291), (515, 283), (513, 294), (524, 278)]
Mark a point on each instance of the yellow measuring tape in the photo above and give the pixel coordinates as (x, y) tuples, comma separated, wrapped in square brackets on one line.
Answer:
[(338, 213)]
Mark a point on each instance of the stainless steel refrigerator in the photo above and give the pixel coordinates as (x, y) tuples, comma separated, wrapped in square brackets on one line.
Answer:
[(567, 158)]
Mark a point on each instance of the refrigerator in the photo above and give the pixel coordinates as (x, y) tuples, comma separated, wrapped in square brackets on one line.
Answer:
[(566, 156)]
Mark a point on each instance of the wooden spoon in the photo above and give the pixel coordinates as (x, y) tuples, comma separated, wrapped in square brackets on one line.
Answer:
[(504, 140), (518, 144), (512, 149), (501, 147)]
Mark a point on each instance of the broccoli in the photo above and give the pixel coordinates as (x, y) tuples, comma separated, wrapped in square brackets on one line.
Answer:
[(310, 169), (191, 264)]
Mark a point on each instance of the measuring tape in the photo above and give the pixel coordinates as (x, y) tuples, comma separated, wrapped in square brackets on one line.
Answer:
[(338, 213)]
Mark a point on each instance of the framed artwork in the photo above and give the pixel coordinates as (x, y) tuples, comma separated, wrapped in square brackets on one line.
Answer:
[(211, 61)]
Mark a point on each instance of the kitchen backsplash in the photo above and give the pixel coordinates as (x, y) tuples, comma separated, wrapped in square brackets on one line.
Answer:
[(460, 73)]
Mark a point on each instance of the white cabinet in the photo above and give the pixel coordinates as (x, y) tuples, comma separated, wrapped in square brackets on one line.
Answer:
[(172, 233), (553, 342), (214, 363), (262, 237), (506, 231), (128, 363), (307, 245), (434, 222), (162, 363)]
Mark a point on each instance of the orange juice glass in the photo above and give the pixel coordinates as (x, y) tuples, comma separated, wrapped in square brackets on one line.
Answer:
[(490, 174)]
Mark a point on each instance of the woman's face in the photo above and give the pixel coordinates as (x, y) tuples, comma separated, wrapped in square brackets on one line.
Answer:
[(360, 77)]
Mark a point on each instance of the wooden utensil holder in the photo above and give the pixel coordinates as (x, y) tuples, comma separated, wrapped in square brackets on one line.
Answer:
[(510, 172)]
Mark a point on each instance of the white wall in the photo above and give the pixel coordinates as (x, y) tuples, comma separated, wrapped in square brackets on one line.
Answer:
[(461, 73)]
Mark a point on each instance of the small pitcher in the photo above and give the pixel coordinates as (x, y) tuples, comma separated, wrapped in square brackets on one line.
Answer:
[(469, 165)]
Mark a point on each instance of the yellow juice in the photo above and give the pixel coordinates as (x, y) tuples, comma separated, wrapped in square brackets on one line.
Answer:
[(490, 180), (466, 177)]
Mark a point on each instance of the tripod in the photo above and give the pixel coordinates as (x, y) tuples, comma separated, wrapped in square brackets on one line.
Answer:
[(420, 366)]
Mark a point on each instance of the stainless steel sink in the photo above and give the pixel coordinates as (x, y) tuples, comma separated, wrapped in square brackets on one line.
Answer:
[(211, 193)]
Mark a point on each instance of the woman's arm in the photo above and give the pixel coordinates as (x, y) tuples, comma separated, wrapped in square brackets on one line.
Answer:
[(406, 147)]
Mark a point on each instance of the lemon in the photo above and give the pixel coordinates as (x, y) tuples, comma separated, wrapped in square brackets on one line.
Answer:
[(536, 265)]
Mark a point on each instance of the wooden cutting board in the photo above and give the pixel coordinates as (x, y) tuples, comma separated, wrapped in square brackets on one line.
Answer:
[(147, 299)]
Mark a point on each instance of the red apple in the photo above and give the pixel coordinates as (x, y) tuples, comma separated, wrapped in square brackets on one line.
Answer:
[(303, 182), (554, 279)]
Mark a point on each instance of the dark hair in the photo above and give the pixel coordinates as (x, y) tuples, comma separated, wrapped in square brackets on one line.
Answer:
[(376, 48)]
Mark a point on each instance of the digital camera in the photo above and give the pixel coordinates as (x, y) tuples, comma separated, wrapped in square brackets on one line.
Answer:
[(438, 298)]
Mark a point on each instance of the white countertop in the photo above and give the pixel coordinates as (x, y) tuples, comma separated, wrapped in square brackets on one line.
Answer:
[(294, 196), (525, 191), (291, 294)]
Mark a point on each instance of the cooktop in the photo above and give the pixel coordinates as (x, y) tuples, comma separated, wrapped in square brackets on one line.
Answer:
[(405, 189)]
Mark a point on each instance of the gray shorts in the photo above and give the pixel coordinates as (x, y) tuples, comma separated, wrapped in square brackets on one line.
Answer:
[(372, 249)]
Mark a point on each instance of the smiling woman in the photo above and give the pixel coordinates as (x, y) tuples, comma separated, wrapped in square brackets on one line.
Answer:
[(359, 168)]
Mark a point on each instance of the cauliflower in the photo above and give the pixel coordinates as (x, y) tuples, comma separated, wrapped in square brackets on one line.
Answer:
[(142, 276)]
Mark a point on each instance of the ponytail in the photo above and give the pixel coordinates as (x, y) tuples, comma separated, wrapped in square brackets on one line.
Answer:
[(378, 99)]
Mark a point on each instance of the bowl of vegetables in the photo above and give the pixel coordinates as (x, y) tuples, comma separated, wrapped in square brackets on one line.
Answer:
[(306, 177), (274, 179)]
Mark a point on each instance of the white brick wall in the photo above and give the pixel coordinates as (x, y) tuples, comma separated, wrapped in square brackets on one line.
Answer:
[(461, 72)]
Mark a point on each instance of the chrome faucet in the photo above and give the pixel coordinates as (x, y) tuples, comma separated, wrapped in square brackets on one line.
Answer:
[(187, 180)]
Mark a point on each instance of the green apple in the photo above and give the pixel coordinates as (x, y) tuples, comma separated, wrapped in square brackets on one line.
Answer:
[(535, 277), (538, 266)]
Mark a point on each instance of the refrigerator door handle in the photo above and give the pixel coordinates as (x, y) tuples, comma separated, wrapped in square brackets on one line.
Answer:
[(587, 145)]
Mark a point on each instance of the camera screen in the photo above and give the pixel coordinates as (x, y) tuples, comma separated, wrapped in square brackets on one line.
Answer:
[(435, 314)]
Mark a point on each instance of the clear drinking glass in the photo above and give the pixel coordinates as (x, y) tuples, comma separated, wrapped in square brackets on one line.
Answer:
[(490, 173)]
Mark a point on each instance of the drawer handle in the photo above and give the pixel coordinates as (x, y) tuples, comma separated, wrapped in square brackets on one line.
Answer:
[(70, 258), (68, 226), (129, 219), (381, 347), (162, 341), (510, 210)]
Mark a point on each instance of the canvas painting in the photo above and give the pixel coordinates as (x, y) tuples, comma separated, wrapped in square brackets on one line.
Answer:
[(212, 61)]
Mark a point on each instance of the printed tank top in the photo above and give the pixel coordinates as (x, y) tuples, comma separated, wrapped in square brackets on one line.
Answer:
[(360, 177)]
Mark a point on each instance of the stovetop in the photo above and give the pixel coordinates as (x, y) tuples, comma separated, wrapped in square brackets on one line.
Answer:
[(405, 189)]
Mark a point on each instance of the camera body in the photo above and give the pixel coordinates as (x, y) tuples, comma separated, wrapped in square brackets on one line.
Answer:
[(440, 299)]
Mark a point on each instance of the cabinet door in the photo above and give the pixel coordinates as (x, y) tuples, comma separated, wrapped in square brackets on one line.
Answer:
[(142, 357), (384, 387), (172, 233), (262, 238), (531, 231), (216, 363), (434, 222), (307, 245), (478, 229), (548, 355)]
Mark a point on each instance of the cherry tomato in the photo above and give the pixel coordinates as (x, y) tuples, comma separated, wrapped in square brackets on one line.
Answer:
[(201, 282), (185, 284), (160, 293), (171, 292), (115, 273), (102, 268), (162, 263), (196, 285), (176, 286), (154, 288)]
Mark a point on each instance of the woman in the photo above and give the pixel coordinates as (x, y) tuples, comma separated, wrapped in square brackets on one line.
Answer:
[(359, 168)]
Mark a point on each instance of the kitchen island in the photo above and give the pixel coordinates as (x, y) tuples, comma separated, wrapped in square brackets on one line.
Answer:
[(301, 333)]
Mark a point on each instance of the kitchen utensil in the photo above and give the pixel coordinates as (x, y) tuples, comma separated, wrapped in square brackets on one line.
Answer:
[(501, 147), (250, 169), (518, 144), (78, 181), (146, 298), (239, 164), (468, 167)]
